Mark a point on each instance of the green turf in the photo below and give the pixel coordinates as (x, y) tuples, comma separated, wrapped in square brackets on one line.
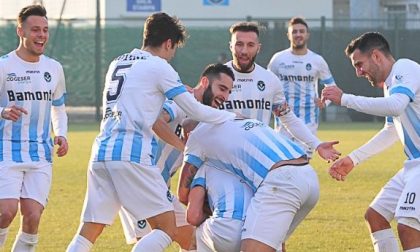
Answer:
[(336, 224)]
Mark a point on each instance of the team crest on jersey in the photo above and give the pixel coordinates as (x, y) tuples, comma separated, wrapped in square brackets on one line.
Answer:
[(399, 78), (169, 196), (141, 224), (47, 76), (308, 66), (261, 85)]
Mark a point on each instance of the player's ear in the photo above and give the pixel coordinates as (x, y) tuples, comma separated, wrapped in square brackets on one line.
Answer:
[(19, 31), (204, 82)]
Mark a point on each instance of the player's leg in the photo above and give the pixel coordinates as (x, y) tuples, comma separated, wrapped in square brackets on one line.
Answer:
[(204, 237), (309, 196), (8, 210), (273, 208), (226, 234), (408, 213), (35, 189), (11, 178), (133, 229), (143, 192), (100, 208), (380, 213), (185, 232)]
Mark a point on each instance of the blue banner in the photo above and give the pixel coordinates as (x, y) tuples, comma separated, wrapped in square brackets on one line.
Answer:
[(216, 2), (143, 5)]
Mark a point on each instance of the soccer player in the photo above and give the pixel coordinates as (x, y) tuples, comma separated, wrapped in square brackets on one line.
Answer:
[(399, 198), (213, 87), (122, 171), (32, 91), (257, 93), (285, 185), (219, 228), (300, 70)]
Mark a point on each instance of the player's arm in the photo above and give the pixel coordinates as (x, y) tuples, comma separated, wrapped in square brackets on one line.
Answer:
[(200, 112), (381, 141), (326, 79), (195, 208), (393, 105), (299, 130), (164, 131), (188, 172)]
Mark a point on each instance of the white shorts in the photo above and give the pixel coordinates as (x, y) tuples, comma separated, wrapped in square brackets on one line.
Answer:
[(134, 228), (30, 180), (140, 189), (400, 198), (219, 234), (281, 202)]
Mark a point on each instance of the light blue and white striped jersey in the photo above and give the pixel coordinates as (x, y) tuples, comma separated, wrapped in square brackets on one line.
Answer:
[(169, 159), (247, 148), (228, 195), (300, 76), (404, 79), (136, 86), (35, 86), (254, 94)]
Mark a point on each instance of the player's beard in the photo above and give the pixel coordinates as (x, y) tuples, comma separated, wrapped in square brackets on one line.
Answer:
[(208, 96), (298, 47), (245, 68)]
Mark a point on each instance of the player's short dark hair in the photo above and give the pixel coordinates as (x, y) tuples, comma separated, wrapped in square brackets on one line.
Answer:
[(213, 71), (367, 42), (31, 10), (297, 20), (160, 27), (245, 27)]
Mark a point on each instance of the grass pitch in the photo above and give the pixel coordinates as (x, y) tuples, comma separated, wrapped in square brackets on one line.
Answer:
[(336, 223)]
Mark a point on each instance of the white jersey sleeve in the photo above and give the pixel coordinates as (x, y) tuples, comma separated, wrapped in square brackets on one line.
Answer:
[(381, 141)]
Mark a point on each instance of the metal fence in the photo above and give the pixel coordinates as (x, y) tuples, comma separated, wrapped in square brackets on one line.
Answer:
[(79, 46)]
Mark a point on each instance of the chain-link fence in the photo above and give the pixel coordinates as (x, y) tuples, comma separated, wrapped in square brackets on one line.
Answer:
[(72, 42)]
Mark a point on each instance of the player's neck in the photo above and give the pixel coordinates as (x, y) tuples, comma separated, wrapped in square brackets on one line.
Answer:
[(25, 55), (299, 51), (155, 51)]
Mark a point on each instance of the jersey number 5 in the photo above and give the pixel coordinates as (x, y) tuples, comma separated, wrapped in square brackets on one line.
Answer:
[(119, 76)]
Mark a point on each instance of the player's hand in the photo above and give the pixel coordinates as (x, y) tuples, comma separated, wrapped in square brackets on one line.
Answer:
[(63, 146), (332, 93), (341, 168), (326, 151), (13, 113), (319, 103)]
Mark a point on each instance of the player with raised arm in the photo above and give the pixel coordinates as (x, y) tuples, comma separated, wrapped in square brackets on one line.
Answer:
[(399, 198), (257, 93), (122, 170), (32, 92), (300, 71)]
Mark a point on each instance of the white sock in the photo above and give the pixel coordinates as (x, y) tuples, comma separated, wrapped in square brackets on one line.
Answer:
[(184, 250), (79, 244), (155, 241), (25, 242), (384, 241), (3, 236), (413, 250)]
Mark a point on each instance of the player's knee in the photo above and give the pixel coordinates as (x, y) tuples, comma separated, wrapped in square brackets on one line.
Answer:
[(6, 217), (375, 220)]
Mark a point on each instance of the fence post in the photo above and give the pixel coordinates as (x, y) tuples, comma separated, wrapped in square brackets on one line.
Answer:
[(323, 114), (396, 37), (98, 60)]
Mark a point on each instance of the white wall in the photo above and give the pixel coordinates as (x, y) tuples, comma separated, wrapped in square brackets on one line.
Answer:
[(184, 9)]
